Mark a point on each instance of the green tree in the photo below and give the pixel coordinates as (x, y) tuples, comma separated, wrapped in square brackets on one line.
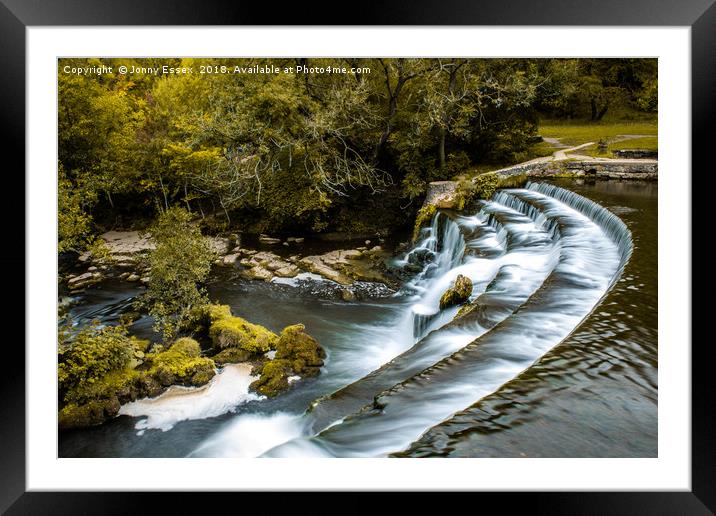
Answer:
[(179, 264)]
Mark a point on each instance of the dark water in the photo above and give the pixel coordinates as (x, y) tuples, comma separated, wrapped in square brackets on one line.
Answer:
[(595, 395)]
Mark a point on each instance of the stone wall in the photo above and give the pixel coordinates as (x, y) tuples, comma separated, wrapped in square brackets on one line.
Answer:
[(602, 169)]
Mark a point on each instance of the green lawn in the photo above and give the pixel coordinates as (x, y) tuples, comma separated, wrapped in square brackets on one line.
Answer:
[(578, 132)]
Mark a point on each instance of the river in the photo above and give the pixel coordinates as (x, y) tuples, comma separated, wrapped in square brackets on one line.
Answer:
[(491, 383)]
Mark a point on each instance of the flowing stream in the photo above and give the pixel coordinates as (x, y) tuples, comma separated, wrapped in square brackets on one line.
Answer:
[(401, 376)]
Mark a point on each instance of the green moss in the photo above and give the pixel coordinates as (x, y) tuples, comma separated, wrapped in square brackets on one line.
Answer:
[(273, 379), (200, 318), (231, 356), (514, 181), (485, 185), (93, 413), (239, 333), (297, 353), (458, 293), (181, 363), (425, 215), (302, 350)]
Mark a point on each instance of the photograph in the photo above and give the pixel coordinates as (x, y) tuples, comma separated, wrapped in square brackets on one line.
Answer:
[(357, 257)]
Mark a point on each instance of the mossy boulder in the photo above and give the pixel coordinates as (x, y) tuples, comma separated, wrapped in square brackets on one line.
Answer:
[(302, 350), (182, 364), (424, 216), (236, 332), (201, 317), (273, 377), (458, 293), (101, 368), (232, 356), (91, 413), (297, 354)]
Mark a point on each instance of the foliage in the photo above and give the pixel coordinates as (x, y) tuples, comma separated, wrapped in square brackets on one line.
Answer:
[(424, 216), (179, 263), (239, 333), (85, 358), (485, 185), (74, 224), (181, 363), (286, 150)]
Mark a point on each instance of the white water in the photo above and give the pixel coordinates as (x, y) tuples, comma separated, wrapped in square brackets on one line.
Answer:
[(589, 263), (516, 247), (224, 392)]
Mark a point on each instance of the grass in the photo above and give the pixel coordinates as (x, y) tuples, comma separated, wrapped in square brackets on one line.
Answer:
[(574, 133), (577, 132)]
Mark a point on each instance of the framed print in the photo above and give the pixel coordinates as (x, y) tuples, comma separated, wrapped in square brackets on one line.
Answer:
[(426, 251)]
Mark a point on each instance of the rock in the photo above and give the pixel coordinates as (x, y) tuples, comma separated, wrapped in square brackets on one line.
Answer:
[(85, 257), (220, 245), (92, 413), (232, 356), (299, 240), (235, 332), (351, 254), (144, 280), (347, 295), (84, 280), (302, 350), (458, 293), (273, 377), (316, 265), (92, 269), (367, 243), (265, 239), (230, 259), (257, 273), (297, 354), (288, 271), (285, 243), (133, 277)]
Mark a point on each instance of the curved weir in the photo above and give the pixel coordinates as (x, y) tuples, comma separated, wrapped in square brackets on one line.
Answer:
[(541, 258)]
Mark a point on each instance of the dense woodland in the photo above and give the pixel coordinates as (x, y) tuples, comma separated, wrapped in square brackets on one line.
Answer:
[(308, 152)]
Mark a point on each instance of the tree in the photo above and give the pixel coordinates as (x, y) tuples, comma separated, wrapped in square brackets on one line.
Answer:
[(179, 264)]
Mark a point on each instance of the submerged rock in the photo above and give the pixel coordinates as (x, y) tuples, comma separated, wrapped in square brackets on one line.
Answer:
[(265, 239), (458, 293)]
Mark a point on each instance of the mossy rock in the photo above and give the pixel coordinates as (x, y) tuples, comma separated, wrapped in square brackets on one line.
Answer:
[(201, 317), (182, 364), (92, 413), (458, 293), (297, 354), (232, 356), (273, 379), (424, 216), (302, 350), (238, 333)]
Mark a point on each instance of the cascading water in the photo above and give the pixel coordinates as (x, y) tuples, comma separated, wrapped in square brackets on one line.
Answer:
[(593, 248), (540, 260)]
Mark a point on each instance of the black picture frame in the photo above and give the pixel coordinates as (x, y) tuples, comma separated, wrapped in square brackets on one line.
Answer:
[(17, 15)]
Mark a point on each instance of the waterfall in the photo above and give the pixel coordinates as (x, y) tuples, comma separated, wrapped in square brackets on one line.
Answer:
[(540, 259)]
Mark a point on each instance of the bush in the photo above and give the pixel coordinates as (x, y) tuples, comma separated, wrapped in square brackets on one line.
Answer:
[(179, 263), (88, 356)]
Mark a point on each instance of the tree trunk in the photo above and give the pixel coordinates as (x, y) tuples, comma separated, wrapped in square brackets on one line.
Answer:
[(594, 109), (602, 112), (441, 147)]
